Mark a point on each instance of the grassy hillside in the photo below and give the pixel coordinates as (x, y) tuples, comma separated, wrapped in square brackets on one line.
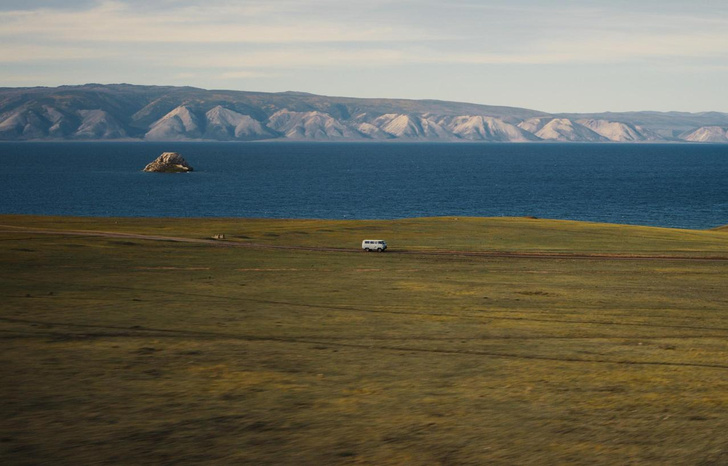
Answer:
[(417, 234), (130, 350)]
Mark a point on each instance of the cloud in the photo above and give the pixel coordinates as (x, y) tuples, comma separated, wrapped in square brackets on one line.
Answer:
[(118, 22), (250, 38), (22, 53), (293, 57), (24, 79), (605, 49), (245, 74)]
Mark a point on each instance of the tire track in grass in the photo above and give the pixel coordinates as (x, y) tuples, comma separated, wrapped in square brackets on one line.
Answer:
[(433, 252), (123, 331), (373, 311), (157, 332)]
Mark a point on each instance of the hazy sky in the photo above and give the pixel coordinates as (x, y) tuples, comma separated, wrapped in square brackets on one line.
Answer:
[(551, 55)]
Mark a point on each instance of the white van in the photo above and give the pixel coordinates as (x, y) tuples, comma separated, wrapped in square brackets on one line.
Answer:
[(374, 245)]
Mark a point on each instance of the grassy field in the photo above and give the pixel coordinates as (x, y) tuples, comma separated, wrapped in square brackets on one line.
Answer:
[(132, 350)]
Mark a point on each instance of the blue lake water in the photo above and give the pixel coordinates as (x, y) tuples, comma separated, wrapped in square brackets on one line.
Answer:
[(672, 185)]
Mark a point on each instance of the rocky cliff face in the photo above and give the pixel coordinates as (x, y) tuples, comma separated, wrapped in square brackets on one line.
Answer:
[(98, 124), (483, 128), (222, 124), (98, 112), (714, 134), (565, 130), (310, 125), (169, 162)]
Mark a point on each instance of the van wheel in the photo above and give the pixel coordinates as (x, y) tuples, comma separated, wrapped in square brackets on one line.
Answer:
[(379, 249)]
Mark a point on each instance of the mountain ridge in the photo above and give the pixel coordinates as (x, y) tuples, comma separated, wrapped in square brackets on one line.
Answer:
[(133, 112)]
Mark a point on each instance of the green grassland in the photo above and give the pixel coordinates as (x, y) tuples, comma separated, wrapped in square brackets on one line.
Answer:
[(140, 351)]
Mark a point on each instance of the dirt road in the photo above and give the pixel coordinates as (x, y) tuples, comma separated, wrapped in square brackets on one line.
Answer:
[(432, 252)]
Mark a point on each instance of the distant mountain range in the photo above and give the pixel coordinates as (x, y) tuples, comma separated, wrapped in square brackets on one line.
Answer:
[(164, 113)]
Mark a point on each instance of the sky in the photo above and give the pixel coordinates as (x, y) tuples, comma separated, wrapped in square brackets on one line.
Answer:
[(548, 55)]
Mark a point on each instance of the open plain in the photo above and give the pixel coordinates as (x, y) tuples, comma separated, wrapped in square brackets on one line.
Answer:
[(473, 341)]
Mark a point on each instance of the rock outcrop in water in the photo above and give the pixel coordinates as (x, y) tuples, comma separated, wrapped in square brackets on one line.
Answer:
[(169, 162)]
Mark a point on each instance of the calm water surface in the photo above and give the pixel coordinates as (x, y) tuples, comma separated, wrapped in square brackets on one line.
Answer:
[(676, 185)]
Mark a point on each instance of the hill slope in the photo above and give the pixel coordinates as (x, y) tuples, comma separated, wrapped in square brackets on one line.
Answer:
[(123, 111), (154, 350)]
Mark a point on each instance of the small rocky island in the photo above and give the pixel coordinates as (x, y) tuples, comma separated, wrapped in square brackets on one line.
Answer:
[(169, 162)]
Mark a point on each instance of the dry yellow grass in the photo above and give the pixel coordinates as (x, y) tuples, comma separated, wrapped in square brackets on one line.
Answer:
[(122, 350)]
